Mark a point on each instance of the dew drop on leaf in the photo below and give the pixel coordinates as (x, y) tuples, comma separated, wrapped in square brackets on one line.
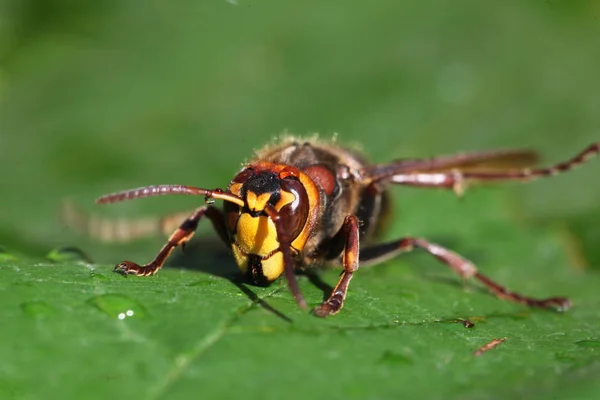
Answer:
[(68, 253), (6, 256), (588, 343), (37, 309), (391, 357), (97, 276), (118, 306), (565, 357)]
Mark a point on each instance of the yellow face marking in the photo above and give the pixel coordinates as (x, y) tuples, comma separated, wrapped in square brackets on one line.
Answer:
[(257, 203), (251, 200), (273, 266), (236, 188), (240, 258), (256, 235), (286, 198)]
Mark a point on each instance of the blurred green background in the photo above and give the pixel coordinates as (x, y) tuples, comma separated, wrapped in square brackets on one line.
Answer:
[(97, 97), (101, 96)]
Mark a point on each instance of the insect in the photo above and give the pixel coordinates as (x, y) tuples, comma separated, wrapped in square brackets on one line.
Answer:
[(301, 203)]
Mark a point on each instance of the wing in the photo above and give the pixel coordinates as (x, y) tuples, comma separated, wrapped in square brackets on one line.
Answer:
[(475, 161), (457, 171)]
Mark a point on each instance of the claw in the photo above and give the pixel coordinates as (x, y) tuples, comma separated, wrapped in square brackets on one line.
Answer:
[(127, 268), (560, 304), (322, 311), (330, 307)]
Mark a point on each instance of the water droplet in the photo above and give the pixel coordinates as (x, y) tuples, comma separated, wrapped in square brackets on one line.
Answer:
[(588, 343), (118, 306), (6, 256), (37, 309), (392, 357), (68, 254), (96, 275)]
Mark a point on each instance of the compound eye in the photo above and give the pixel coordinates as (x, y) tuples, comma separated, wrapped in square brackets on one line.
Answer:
[(243, 175), (294, 214), (289, 172)]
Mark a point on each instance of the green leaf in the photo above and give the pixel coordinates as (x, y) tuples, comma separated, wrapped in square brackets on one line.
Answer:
[(185, 332), (68, 253), (97, 97), (5, 255)]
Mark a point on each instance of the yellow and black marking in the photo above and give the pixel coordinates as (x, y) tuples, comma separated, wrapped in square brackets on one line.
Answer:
[(255, 243)]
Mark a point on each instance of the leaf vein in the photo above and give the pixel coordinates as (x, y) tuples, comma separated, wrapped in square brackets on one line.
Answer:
[(184, 360)]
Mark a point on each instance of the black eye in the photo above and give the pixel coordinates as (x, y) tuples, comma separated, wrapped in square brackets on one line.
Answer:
[(295, 214)]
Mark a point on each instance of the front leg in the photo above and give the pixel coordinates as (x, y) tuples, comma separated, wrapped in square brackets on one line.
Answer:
[(350, 235), (181, 236)]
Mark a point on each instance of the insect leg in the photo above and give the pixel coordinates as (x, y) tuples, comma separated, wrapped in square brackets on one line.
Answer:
[(350, 235), (465, 268), (444, 173), (182, 235), (285, 243), (118, 230)]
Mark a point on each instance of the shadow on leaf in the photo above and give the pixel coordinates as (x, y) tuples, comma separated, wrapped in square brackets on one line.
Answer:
[(210, 256)]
